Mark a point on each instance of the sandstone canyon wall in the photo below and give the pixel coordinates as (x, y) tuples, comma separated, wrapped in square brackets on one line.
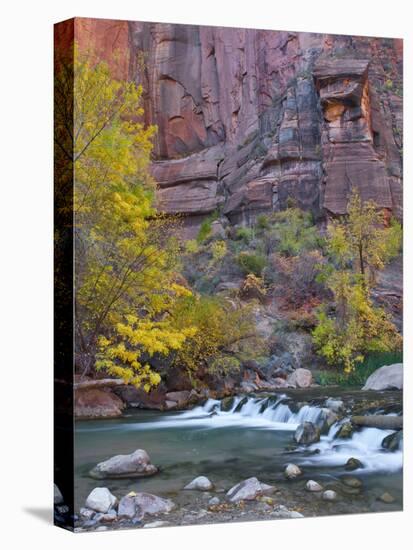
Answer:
[(248, 119)]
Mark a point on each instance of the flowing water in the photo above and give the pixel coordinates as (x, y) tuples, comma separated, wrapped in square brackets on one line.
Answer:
[(250, 436)]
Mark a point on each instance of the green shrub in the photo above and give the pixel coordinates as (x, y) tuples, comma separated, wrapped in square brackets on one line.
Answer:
[(219, 250), (251, 263), (191, 246), (205, 229), (263, 222), (245, 234)]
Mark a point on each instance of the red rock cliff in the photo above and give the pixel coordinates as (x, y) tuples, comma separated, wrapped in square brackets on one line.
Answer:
[(249, 118)]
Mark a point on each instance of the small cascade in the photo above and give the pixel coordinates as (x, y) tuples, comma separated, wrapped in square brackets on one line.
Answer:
[(365, 445), (256, 412)]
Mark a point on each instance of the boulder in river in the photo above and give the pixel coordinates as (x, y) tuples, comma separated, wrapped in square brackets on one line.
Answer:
[(393, 442), (353, 464), (137, 464), (200, 483), (345, 431), (307, 433), (329, 495), (335, 405), (389, 377), (249, 489), (101, 500), (97, 403), (180, 398), (313, 487), (292, 471), (300, 378), (152, 504)]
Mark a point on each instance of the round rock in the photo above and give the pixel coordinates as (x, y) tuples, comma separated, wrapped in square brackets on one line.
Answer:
[(292, 471), (313, 486), (200, 483)]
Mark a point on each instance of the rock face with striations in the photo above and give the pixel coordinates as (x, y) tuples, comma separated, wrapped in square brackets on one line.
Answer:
[(248, 119)]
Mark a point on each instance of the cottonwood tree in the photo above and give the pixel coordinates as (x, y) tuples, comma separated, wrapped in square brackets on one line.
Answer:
[(359, 245)]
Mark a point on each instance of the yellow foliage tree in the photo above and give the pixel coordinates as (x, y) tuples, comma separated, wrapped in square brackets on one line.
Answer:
[(359, 244), (124, 258)]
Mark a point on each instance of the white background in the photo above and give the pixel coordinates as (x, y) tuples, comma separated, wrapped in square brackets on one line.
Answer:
[(26, 271)]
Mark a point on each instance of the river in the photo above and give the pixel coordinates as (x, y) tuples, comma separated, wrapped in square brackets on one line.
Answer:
[(250, 436)]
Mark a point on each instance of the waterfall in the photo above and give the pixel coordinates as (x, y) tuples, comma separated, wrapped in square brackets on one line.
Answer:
[(255, 412)]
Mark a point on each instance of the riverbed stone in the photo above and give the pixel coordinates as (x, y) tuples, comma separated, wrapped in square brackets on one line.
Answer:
[(388, 377), (154, 524), (329, 495), (127, 507), (292, 471), (387, 498), (326, 419), (300, 378), (101, 500), (152, 504), (200, 483), (353, 464), (109, 517), (282, 511), (249, 489), (307, 433), (313, 486), (86, 513), (352, 482), (214, 501), (393, 442), (137, 464)]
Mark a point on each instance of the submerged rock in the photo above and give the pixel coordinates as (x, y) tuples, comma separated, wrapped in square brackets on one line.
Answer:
[(137, 464), (389, 377), (352, 482), (393, 442), (249, 489), (307, 433), (329, 495), (101, 500), (292, 471), (200, 483), (387, 498), (214, 501), (152, 504), (353, 464), (313, 486)]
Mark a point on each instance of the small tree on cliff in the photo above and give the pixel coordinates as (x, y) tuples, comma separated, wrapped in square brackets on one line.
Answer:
[(124, 259), (359, 245)]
